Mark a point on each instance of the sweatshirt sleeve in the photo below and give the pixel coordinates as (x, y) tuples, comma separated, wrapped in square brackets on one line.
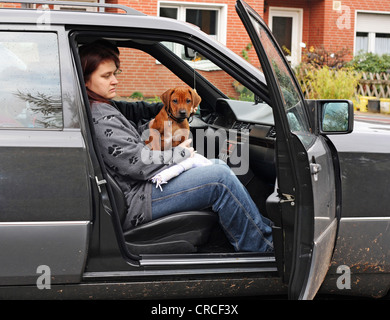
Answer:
[(124, 151), (139, 111)]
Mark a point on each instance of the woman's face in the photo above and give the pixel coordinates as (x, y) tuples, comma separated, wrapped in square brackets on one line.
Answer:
[(103, 80)]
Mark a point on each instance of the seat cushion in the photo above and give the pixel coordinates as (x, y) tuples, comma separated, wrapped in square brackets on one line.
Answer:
[(180, 232), (176, 233)]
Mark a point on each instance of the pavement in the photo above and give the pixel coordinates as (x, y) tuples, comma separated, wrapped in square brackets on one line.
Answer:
[(370, 117)]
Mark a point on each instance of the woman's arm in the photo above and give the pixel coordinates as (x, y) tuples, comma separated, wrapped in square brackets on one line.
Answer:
[(138, 111)]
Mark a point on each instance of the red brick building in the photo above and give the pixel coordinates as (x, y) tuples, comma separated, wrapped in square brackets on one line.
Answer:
[(298, 25), (351, 25)]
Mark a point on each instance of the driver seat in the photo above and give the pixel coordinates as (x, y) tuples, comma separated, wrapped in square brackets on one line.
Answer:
[(181, 232)]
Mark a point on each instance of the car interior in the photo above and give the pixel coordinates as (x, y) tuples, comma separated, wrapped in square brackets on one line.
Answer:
[(240, 132)]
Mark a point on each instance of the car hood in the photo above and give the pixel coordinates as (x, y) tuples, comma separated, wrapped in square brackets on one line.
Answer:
[(366, 137), (364, 126)]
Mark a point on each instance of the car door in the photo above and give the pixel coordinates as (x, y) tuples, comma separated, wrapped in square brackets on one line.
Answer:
[(303, 205), (45, 202)]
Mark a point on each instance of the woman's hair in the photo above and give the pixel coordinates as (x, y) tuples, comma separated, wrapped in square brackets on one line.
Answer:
[(92, 55)]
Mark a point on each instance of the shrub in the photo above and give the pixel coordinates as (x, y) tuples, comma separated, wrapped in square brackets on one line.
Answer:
[(325, 83), (320, 57), (370, 62), (137, 95), (323, 75)]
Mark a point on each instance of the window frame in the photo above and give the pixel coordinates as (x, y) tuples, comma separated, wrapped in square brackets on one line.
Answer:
[(363, 25), (221, 8), (221, 26)]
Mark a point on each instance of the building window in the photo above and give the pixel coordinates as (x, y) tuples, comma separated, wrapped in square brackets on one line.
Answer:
[(206, 20), (210, 18), (369, 33), (378, 43), (361, 41), (382, 43)]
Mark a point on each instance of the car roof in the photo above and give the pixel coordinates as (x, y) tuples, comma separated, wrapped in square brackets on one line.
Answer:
[(73, 4), (128, 18)]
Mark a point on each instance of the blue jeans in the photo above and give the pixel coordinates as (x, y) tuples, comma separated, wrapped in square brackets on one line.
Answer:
[(217, 187)]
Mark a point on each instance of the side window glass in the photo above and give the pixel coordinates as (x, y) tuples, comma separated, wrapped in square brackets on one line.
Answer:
[(290, 93), (30, 94), (213, 73)]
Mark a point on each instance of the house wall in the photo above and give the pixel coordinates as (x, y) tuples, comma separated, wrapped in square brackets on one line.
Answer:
[(341, 33), (322, 27), (138, 68), (332, 29)]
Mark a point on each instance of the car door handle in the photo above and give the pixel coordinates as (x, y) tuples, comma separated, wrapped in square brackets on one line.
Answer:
[(314, 169)]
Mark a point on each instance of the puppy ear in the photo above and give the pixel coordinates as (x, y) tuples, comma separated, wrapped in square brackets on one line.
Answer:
[(195, 98), (165, 96)]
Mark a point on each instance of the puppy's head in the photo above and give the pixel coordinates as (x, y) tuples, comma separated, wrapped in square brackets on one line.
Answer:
[(181, 101)]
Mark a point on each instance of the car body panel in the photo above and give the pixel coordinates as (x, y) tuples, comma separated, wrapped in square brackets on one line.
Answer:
[(35, 207), (363, 243), (64, 254), (46, 205), (364, 160)]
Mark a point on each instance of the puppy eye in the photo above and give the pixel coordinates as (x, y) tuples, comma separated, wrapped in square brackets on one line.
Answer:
[(188, 100), (174, 100)]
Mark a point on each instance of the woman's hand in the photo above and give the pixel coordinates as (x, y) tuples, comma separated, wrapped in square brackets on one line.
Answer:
[(193, 111)]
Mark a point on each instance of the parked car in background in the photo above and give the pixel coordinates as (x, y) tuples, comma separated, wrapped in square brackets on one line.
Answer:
[(322, 183)]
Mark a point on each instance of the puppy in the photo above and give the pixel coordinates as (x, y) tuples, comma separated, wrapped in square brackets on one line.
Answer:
[(172, 120)]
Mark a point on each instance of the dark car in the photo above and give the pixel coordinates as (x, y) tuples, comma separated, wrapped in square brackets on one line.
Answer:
[(61, 236)]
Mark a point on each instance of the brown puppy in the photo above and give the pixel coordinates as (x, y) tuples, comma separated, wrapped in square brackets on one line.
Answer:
[(172, 120)]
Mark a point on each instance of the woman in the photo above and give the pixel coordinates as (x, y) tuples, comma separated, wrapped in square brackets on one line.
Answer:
[(119, 127)]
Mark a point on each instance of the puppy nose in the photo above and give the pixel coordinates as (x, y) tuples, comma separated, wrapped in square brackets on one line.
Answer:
[(183, 112)]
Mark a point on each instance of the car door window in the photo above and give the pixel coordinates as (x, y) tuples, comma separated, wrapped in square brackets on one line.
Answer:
[(293, 102), (30, 93)]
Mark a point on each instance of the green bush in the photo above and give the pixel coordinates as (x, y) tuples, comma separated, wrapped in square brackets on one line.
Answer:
[(137, 95), (326, 83), (370, 62)]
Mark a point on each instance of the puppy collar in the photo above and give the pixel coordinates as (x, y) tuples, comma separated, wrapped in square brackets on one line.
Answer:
[(170, 115)]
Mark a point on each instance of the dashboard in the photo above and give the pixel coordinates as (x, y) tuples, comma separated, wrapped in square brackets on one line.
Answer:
[(242, 134)]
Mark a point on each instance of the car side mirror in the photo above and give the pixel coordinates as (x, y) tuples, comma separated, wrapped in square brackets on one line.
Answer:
[(335, 117), (331, 116)]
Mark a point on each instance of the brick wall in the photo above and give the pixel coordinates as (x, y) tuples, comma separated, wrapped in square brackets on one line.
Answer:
[(322, 27), (142, 73), (332, 29), (340, 25)]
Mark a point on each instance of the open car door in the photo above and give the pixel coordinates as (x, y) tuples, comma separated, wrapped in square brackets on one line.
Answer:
[(303, 205)]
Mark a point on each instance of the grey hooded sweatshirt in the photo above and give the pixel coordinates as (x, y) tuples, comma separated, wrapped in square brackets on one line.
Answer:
[(131, 163)]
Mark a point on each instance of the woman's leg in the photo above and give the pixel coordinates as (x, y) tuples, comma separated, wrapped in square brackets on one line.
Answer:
[(217, 187)]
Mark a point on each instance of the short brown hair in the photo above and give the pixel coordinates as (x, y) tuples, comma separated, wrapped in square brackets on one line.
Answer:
[(92, 55)]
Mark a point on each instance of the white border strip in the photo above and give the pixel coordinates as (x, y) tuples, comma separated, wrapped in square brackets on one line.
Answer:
[(43, 223)]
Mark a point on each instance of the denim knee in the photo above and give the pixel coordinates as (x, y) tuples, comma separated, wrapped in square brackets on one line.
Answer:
[(221, 168)]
